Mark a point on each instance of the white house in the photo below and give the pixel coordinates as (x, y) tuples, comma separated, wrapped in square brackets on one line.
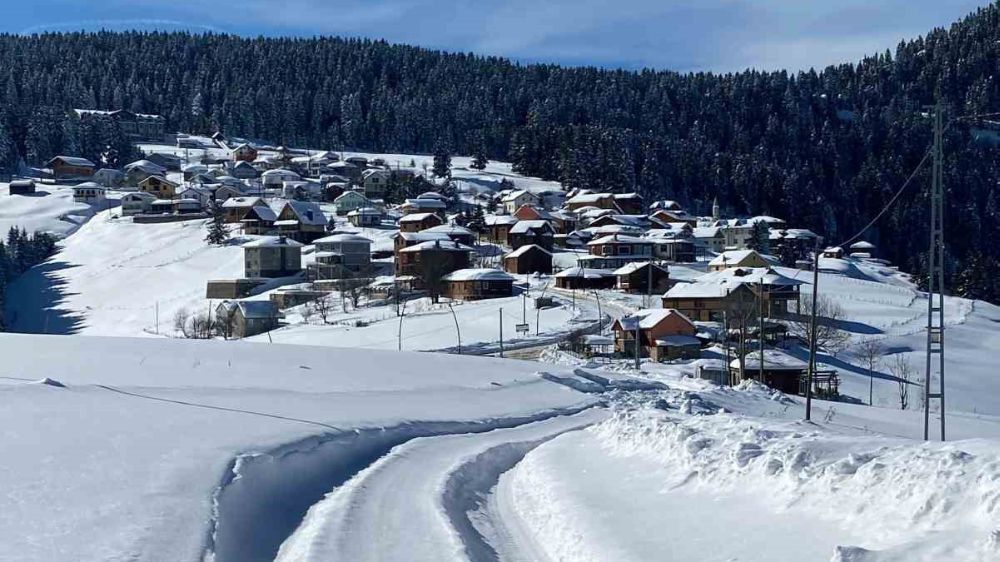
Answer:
[(137, 203), (512, 201), (350, 201), (89, 192)]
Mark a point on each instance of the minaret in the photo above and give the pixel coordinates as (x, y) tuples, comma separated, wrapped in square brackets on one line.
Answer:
[(715, 209)]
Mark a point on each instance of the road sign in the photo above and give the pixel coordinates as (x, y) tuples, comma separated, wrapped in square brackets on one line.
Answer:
[(521, 328)]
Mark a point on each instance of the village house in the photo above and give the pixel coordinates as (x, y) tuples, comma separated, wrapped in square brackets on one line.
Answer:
[(236, 208), (564, 222), (673, 248), (275, 179), (70, 168), (665, 204), (429, 261), (139, 170), (244, 153), (89, 192), (737, 258), (259, 219), (223, 193), (169, 162), (375, 183), (531, 258), (365, 217), (406, 239), (616, 250), (272, 256), (22, 187), (498, 227), (135, 126), (862, 249), (643, 278), (667, 215), (419, 221), (350, 201), (585, 279), (781, 371), (477, 284), (711, 296), (630, 203), (532, 213), (538, 232), (244, 318), (303, 221), (136, 203), (664, 334), (346, 169), (514, 200), (456, 233), (599, 200), (244, 170), (109, 177), (158, 186), (418, 205), (637, 223), (191, 170), (835, 252), (799, 242), (709, 238), (341, 256)]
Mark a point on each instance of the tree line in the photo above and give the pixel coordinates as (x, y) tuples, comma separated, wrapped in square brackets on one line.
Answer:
[(823, 149)]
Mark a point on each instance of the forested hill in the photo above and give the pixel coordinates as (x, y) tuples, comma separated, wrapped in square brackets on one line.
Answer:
[(822, 149)]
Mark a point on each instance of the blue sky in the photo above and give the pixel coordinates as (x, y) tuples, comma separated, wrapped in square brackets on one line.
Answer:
[(683, 35)]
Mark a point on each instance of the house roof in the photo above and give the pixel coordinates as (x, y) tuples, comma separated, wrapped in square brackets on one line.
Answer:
[(146, 166), (308, 212), (273, 242), (618, 239), (425, 203), (160, 179), (863, 246), (513, 195), (422, 236), (431, 195), (718, 284), (632, 267), (450, 229), (334, 238), (281, 173), (497, 220), (774, 360), (417, 217), (525, 249), (443, 245), (349, 195), (585, 273), (478, 274), (665, 204), (523, 227), (252, 309), (679, 340), (588, 198), (241, 202), (736, 257), (89, 185), (73, 161), (649, 318)]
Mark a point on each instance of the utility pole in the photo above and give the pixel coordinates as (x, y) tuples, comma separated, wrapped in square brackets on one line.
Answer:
[(638, 334), (812, 333), (935, 278), (760, 329), (649, 284), (501, 333)]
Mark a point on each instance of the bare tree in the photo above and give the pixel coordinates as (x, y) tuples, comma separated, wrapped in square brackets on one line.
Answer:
[(225, 323), (829, 336), (322, 307), (181, 321), (901, 368), (870, 351)]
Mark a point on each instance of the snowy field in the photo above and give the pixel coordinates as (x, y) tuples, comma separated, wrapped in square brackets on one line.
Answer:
[(51, 209)]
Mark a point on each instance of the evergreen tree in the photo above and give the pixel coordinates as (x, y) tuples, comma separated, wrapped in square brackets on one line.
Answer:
[(218, 232), (760, 238), (442, 162)]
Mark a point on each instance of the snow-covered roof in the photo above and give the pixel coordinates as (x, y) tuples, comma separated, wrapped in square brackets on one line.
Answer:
[(241, 202), (863, 246), (89, 185), (256, 309), (272, 242), (160, 179), (281, 173), (416, 217), (649, 318), (678, 340), (632, 267), (618, 239), (588, 198), (422, 236), (450, 229), (478, 274), (523, 227), (308, 212), (146, 166), (350, 195), (425, 203), (524, 249), (335, 238), (431, 195), (774, 360), (445, 245), (665, 204), (364, 211), (585, 273), (517, 193), (706, 232), (735, 257), (496, 220), (718, 284)]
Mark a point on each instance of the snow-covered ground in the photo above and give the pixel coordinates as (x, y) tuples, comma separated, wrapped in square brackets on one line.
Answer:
[(51, 209)]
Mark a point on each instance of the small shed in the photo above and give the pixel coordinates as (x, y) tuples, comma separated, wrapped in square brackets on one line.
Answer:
[(781, 371), (585, 278), (22, 187)]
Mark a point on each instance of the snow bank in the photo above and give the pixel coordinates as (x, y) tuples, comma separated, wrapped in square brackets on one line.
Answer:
[(866, 497)]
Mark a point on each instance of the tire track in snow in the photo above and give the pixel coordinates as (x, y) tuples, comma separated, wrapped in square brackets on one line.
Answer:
[(419, 501)]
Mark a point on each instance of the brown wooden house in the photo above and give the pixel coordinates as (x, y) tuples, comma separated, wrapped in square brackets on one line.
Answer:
[(635, 277), (70, 167), (538, 232), (477, 284), (581, 278), (429, 261), (528, 259), (663, 334), (498, 228), (416, 222)]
